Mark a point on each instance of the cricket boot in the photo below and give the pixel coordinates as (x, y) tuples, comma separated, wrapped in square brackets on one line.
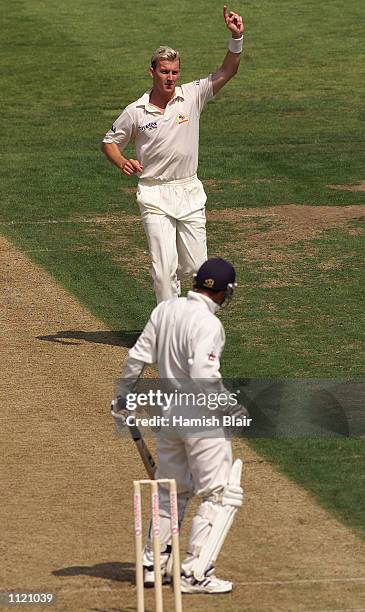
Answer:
[(210, 584), (149, 570)]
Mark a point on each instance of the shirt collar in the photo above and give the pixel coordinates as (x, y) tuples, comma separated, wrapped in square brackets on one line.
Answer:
[(144, 101), (179, 93), (200, 297)]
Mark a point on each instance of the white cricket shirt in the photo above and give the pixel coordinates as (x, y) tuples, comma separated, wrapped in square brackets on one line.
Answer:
[(184, 337), (166, 143)]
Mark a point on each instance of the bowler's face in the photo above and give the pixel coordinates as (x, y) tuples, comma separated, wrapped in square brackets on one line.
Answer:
[(165, 76)]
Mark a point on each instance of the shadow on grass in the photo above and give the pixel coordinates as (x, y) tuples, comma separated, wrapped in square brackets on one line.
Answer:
[(120, 572), (112, 338)]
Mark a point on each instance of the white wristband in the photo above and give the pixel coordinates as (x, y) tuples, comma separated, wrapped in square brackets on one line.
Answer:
[(235, 45)]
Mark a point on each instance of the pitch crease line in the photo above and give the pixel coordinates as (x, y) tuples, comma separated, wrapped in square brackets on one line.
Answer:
[(301, 581), (254, 583)]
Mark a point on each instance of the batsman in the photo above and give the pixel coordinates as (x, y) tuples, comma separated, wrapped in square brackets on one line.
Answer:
[(164, 126), (185, 338)]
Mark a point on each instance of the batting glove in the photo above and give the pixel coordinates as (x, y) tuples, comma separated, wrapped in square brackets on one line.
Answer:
[(238, 412), (119, 412)]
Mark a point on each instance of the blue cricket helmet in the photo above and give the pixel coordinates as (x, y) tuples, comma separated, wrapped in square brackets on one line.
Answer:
[(215, 274)]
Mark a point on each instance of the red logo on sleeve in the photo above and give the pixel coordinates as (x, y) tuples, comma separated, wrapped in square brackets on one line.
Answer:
[(212, 357), (182, 118)]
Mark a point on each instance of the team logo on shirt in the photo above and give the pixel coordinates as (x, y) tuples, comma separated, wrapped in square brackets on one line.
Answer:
[(181, 118), (113, 128), (149, 126), (212, 356)]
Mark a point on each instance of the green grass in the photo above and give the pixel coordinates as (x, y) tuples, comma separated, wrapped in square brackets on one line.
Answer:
[(333, 470), (288, 126), (312, 325)]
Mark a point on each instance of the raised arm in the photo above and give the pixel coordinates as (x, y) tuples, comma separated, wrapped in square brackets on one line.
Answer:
[(232, 60)]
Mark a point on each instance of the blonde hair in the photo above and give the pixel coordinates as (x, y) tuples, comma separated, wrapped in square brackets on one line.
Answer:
[(164, 53)]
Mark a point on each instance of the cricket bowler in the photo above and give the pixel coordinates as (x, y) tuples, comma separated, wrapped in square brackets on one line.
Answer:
[(164, 126)]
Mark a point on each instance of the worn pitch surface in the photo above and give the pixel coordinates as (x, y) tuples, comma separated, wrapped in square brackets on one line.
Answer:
[(67, 488)]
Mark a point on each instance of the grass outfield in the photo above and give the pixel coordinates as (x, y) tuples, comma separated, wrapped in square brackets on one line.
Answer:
[(287, 130)]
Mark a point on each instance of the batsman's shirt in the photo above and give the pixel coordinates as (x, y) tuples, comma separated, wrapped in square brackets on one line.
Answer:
[(166, 143), (184, 338)]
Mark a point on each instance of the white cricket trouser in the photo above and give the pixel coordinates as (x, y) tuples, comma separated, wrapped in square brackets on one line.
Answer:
[(200, 466), (173, 216)]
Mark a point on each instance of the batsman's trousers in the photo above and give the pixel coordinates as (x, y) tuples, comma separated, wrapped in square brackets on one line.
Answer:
[(173, 217), (200, 466)]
